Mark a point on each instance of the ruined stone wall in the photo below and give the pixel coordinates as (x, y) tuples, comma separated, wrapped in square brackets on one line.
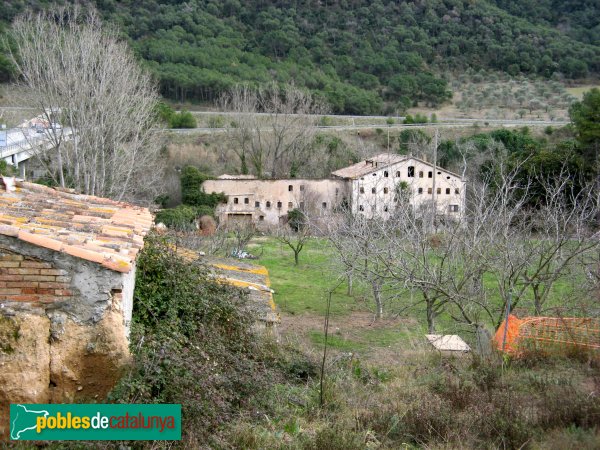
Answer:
[(63, 327)]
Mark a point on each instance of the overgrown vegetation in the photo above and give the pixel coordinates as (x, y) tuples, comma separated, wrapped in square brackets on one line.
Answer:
[(195, 202), (192, 344), (173, 119)]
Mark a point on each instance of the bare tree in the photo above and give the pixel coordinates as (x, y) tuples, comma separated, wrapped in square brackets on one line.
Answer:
[(78, 71), (294, 239), (273, 128)]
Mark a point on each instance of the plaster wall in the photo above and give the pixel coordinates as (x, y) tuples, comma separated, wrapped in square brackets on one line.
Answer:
[(269, 201), (374, 193)]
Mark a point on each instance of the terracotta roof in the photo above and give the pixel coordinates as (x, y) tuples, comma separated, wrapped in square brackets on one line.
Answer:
[(252, 277), (93, 228), (369, 165)]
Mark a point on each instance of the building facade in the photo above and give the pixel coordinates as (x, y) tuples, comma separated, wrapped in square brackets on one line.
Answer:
[(267, 202), (375, 187)]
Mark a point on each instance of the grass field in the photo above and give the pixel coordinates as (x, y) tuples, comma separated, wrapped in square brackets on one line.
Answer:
[(580, 90), (301, 292)]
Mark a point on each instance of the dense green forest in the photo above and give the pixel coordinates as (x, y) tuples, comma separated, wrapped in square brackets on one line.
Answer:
[(364, 57)]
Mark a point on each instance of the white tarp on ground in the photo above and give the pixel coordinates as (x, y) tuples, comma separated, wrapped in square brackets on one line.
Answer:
[(448, 342)]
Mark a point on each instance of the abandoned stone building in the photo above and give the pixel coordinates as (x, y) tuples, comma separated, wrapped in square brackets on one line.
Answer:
[(67, 274), (368, 188)]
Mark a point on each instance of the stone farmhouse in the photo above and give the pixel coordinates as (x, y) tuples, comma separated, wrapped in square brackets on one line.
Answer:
[(369, 188), (67, 274)]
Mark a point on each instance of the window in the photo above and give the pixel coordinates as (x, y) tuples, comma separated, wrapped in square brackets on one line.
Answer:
[(290, 205), (268, 204), (420, 174), (430, 174), (324, 205), (386, 174), (301, 187), (447, 191), (373, 190), (439, 173), (279, 205), (420, 191), (398, 174), (385, 190), (457, 191), (374, 174), (411, 171), (236, 201), (438, 190), (246, 201), (362, 190), (290, 188), (257, 204), (261, 218), (448, 177), (361, 208), (385, 208), (429, 190), (453, 208)]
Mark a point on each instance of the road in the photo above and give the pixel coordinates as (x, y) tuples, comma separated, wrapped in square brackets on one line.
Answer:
[(442, 123)]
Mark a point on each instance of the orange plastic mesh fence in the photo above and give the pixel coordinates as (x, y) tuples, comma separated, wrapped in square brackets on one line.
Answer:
[(548, 333)]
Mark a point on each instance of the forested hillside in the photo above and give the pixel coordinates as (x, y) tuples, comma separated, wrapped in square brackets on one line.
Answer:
[(363, 56), (579, 19)]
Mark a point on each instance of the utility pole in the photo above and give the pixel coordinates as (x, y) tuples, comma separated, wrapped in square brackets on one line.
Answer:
[(433, 190)]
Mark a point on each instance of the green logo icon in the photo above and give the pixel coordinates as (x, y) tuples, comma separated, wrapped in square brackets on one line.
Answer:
[(46, 422)]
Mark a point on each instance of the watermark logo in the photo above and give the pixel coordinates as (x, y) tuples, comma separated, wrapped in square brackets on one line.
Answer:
[(70, 422)]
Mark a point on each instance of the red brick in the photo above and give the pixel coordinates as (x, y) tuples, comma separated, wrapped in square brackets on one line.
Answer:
[(24, 271), (9, 263), (10, 291), (63, 279), (38, 278), (21, 284), (11, 258), (59, 272), (22, 298), (29, 291), (44, 285), (63, 292), (6, 277), (36, 265), (43, 291)]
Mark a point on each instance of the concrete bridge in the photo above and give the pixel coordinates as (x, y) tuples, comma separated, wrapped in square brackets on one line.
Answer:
[(22, 143)]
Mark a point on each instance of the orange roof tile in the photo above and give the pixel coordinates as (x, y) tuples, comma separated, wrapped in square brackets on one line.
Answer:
[(92, 228)]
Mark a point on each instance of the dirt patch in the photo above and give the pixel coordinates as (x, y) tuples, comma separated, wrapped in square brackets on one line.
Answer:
[(356, 327)]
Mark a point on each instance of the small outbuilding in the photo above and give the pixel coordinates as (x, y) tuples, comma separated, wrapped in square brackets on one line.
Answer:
[(67, 275)]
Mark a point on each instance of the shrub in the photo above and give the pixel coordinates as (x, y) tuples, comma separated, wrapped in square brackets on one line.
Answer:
[(183, 119), (191, 189), (180, 218), (192, 343)]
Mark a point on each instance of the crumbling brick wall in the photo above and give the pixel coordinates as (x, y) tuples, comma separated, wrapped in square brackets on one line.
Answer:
[(26, 279), (63, 327)]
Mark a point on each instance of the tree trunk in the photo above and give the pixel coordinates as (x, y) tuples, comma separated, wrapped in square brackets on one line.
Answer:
[(296, 256), (377, 298), (349, 292), (430, 316)]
